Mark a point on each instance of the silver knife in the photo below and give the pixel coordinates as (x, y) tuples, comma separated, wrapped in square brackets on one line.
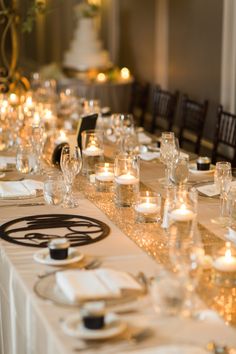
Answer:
[(21, 205)]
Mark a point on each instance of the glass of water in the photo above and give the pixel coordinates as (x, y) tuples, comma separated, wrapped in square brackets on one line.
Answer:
[(54, 189), (25, 159)]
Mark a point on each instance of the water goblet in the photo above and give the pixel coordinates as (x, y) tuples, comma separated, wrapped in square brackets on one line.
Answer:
[(71, 163), (222, 179), (180, 171), (38, 140), (169, 152)]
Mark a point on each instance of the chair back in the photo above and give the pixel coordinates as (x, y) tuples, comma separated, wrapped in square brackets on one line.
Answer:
[(85, 123), (225, 137), (139, 101), (164, 108), (192, 122)]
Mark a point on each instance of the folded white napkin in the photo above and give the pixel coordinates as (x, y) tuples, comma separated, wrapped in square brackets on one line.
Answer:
[(143, 138), (94, 284), (5, 160), (19, 188), (149, 156), (210, 189)]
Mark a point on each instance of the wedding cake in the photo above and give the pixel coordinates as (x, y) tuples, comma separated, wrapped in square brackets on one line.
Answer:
[(86, 50)]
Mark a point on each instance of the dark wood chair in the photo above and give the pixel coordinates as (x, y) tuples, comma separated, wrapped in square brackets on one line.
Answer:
[(164, 108), (224, 147), (192, 122), (139, 101)]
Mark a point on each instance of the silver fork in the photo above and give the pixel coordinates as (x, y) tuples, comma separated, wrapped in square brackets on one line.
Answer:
[(92, 264)]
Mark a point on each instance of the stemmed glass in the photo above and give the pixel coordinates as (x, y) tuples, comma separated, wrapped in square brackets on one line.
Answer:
[(180, 171), (71, 163), (169, 152), (222, 179), (38, 141), (185, 246)]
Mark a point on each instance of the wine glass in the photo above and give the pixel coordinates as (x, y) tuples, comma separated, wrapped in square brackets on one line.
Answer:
[(222, 179), (71, 163), (38, 140), (180, 171), (169, 152)]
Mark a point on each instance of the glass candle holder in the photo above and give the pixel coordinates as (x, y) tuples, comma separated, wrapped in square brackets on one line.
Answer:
[(126, 171), (224, 266), (92, 150), (147, 207), (104, 177)]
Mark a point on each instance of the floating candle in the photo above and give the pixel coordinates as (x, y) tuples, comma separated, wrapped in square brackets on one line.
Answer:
[(127, 179), (93, 150), (105, 176), (62, 138), (226, 263), (182, 214), (147, 208)]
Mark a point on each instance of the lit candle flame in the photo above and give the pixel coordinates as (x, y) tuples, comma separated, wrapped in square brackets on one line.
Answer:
[(125, 73)]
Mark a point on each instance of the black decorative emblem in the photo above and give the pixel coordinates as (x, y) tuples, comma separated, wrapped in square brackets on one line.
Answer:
[(37, 230)]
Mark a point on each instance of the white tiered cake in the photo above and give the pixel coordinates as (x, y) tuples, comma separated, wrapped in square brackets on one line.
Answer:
[(86, 51)]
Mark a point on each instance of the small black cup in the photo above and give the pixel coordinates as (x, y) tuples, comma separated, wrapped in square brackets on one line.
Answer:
[(58, 248), (203, 163)]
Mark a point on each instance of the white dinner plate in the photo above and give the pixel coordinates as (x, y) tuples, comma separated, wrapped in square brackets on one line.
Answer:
[(73, 326), (43, 257), (174, 349), (193, 169)]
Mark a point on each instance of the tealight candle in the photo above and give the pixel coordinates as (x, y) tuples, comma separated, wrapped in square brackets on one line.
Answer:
[(148, 207), (226, 263), (92, 150), (62, 138), (101, 77), (125, 73), (126, 179), (182, 214), (104, 176)]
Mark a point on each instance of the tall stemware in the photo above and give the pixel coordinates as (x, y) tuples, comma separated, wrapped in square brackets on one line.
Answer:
[(71, 163), (222, 179), (169, 152)]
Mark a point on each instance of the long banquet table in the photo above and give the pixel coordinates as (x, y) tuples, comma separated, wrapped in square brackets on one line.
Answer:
[(31, 325)]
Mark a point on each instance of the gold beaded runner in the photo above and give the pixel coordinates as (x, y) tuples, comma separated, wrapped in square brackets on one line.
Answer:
[(154, 241)]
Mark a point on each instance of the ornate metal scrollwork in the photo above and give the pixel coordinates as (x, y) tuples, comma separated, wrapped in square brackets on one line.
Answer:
[(9, 20), (38, 230)]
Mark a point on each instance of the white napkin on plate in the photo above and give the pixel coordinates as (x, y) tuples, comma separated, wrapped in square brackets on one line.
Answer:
[(19, 188), (94, 284), (210, 189), (143, 138), (5, 160), (149, 156)]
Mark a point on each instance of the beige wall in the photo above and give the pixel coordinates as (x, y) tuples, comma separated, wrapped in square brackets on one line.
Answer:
[(195, 40), (137, 20)]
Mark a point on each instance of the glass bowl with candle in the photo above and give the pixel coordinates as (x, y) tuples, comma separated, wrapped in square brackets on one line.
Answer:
[(185, 245), (147, 207), (224, 265), (104, 176), (92, 150)]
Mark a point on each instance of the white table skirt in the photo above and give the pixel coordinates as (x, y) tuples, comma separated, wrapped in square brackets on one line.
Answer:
[(30, 325)]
